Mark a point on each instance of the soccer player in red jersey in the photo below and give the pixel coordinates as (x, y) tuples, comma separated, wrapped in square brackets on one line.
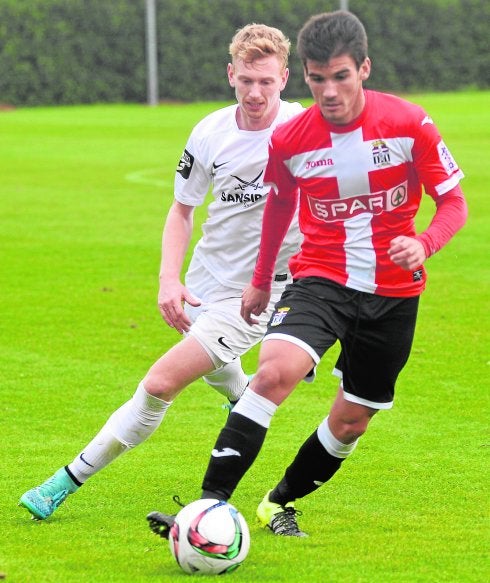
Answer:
[(358, 161)]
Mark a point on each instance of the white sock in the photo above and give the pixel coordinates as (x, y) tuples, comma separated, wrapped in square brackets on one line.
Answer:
[(127, 427), (229, 380), (332, 444), (256, 408)]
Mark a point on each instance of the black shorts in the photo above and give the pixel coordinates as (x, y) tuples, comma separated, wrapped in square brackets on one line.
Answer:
[(375, 334)]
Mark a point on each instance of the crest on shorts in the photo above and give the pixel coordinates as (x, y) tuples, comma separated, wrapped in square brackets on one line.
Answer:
[(279, 316)]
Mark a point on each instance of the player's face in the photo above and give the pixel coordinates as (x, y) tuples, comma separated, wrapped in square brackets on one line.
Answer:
[(336, 87), (258, 87)]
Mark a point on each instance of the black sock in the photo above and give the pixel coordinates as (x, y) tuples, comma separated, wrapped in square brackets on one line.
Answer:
[(312, 467), (236, 448)]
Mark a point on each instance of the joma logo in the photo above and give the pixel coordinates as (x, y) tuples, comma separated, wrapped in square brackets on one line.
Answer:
[(316, 163)]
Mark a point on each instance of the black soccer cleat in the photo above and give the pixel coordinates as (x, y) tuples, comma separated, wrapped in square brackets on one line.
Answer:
[(160, 523)]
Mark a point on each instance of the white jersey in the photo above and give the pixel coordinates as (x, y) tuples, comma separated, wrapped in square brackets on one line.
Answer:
[(232, 162)]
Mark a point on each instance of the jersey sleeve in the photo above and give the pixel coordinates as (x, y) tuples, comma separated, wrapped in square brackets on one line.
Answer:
[(192, 179), (279, 211), (440, 175), (277, 175), (450, 216), (436, 168)]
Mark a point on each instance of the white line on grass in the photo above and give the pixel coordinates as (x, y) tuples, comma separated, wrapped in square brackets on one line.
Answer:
[(146, 176)]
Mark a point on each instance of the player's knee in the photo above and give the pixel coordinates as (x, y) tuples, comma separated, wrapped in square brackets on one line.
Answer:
[(271, 384), (160, 387), (336, 445), (269, 378), (349, 429)]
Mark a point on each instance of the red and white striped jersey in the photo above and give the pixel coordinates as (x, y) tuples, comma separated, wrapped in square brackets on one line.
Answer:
[(360, 186)]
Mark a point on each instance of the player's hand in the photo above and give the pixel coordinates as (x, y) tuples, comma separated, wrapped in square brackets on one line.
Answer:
[(407, 252), (171, 298), (254, 301)]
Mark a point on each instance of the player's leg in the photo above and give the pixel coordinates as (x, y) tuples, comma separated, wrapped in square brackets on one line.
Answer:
[(290, 351), (220, 329), (371, 359), (226, 337), (316, 462), (127, 427), (230, 380), (282, 365)]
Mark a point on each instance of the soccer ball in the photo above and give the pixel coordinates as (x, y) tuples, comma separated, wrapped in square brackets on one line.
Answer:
[(209, 537)]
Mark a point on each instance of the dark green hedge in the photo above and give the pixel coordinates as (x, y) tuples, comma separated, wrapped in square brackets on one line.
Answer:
[(83, 51)]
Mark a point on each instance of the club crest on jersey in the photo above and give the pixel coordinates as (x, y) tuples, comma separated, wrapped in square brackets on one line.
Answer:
[(342, 209), (381, 153), (185, 164), (279, 316)]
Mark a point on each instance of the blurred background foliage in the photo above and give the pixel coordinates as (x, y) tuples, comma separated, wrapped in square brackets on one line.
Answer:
[(85, 51)]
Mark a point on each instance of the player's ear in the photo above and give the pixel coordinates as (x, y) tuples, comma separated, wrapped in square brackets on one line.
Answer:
[(284, 78), (365, 69), (231, 77)]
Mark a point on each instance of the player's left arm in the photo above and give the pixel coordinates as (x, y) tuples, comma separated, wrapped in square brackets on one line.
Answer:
[(451, 213)]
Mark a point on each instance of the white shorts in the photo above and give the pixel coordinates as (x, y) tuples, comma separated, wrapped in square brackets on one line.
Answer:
[(217, 323)]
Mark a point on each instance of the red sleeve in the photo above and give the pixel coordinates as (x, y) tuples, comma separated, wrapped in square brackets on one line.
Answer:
[(450, 216), (278, 214)]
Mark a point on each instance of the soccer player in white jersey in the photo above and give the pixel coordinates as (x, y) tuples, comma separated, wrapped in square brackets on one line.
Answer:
[(360, 159), (227, 150)]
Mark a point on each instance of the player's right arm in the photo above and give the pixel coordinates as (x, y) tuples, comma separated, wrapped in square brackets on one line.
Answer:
[(279, 210), (172, 292), (278, 214)]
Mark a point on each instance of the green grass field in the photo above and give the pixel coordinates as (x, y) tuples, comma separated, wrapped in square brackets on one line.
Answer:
[(84, 192)]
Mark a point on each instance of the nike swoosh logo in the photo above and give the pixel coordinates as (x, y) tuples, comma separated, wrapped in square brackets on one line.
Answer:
[(218, 165), (221, 340), (225, 452), (426, 119), (85, 461)]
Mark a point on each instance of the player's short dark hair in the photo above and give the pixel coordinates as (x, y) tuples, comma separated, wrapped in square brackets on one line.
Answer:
[(332, 34)]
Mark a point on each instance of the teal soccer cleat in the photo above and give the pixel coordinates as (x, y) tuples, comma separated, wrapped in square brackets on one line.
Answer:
[(43, 500)]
